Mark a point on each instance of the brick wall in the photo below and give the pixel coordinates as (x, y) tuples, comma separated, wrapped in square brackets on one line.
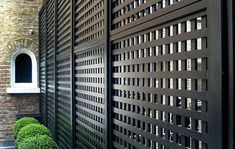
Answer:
[(17, 19)]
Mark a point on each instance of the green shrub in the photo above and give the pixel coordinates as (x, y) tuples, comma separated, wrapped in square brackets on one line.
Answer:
[(22, 123), (38, 142), (32, 130)]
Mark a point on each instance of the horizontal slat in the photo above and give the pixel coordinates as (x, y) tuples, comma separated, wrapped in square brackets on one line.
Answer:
[(152, 21), (168, 92), (148, 135), (159, 75)]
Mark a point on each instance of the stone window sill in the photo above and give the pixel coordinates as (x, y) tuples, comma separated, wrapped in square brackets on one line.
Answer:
[(23, 90)]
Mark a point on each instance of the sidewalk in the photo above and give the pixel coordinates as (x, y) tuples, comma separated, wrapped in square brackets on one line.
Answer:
[(7, 144)]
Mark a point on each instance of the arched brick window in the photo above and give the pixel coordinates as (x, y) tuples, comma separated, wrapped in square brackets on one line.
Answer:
[(24, 74)]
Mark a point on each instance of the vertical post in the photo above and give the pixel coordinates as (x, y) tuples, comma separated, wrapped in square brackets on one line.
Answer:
[(230, 82), (72, 72), (39, 58), (215, 74), (108, 73), (55, 69), (46, 2)]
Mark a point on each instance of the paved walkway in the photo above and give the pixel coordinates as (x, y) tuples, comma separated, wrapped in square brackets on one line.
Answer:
[(7, 144)]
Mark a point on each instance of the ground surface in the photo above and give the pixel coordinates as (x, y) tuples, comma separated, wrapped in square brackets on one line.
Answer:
[(7, 144)]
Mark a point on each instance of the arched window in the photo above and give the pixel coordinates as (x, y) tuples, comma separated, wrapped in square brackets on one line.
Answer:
[(23, 69), (24, 74)]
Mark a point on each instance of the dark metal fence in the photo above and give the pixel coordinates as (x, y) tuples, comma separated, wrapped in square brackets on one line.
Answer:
[(134, 73)]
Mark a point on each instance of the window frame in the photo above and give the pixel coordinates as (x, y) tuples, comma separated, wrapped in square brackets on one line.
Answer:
[(24, 87)]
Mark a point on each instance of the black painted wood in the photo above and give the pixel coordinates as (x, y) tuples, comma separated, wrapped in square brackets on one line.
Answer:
[(42, 61), (133, 74), (50, 80)]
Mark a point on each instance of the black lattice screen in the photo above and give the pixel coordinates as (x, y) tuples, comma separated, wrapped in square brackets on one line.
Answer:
[(160, 75), (90, 116), (89, 73), (63, 73), (50, 66), (129, 73)]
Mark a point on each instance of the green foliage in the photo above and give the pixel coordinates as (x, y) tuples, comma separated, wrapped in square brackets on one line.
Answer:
[(22, 123), (38, 142), (31, 131)]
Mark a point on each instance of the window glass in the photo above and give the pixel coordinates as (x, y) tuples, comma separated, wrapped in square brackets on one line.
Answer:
[(23, 69)]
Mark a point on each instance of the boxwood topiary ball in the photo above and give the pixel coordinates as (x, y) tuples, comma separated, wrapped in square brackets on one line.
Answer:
[(22, 123), (38, 142), (32, 130)]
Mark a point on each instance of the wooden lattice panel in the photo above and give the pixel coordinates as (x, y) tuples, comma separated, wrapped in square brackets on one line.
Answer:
[(63, 73), (42, 62), (160, 83), (89, 20), (89, 73), (90, 112), (50, 65)]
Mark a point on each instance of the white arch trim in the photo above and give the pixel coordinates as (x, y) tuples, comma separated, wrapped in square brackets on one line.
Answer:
[(24, 87)]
